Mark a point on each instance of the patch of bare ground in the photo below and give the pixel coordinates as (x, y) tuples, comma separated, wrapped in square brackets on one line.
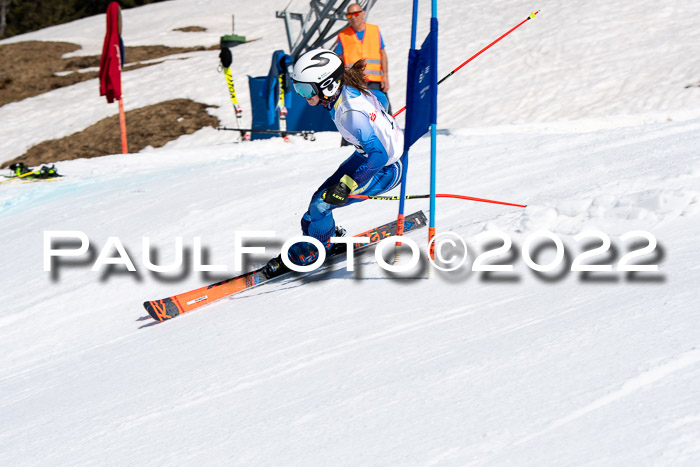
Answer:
[(153, 125), (191, 29), (29, 68)]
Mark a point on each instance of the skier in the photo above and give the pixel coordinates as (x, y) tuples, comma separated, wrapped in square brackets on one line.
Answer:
[(375, 167)]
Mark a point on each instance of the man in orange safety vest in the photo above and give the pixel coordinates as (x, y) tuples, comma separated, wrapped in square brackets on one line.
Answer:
[(362, 40)]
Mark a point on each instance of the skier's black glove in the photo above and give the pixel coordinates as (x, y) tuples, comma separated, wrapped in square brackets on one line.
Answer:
[(338, 194)]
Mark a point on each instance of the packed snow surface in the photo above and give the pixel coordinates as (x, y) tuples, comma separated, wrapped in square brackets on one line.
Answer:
[(589, 114)]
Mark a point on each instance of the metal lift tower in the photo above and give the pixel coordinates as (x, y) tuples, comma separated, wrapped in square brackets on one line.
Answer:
[(318, 26)]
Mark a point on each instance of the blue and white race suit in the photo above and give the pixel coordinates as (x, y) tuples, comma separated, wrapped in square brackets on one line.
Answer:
[(375, 166)]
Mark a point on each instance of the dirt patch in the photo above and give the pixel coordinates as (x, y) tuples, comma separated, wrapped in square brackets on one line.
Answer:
[(191, 29), (28, 69), (151, 52), (153, 125)]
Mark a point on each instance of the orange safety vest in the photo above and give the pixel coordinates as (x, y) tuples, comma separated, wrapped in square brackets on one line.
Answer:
[(368, 48)]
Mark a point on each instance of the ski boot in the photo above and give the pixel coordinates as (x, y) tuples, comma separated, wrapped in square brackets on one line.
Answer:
[(274, 267), (302, 254), (47, 172), (20, 169), (338, 248)]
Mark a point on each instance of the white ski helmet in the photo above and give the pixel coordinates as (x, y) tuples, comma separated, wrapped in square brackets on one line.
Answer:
[(318, 72)]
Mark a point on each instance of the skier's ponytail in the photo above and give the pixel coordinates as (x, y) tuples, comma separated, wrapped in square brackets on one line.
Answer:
[(355, 77)]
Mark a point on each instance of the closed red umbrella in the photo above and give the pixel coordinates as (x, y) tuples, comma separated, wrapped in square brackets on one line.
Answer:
[(111, 65)]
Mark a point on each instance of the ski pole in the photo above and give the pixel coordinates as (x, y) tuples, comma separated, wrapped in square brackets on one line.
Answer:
[(226, 60), (400, 219), (304, 133), (532, 16), (443, 195)]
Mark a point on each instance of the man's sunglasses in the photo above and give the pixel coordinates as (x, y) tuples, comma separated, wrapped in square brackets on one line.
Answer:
[(354, 13)]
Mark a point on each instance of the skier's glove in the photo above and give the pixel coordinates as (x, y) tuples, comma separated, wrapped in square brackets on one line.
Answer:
[(338, 194)]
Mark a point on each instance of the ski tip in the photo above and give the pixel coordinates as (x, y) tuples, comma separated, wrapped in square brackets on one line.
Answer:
[(160, 310), (151, 311)]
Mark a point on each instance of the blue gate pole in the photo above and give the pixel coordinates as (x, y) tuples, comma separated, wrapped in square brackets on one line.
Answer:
[(433, 123), (404, 156)]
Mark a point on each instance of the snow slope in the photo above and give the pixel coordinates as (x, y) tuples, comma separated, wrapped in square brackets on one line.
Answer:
[(582, 114)]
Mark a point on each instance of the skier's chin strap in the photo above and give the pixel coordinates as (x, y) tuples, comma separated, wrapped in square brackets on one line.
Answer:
[(330, 102)]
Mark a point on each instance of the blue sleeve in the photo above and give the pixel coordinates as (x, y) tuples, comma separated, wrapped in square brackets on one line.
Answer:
[(381, 42), (377, 157), (338, 48)]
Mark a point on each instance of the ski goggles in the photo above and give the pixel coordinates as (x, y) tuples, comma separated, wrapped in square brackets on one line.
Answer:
[(306, 90)]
